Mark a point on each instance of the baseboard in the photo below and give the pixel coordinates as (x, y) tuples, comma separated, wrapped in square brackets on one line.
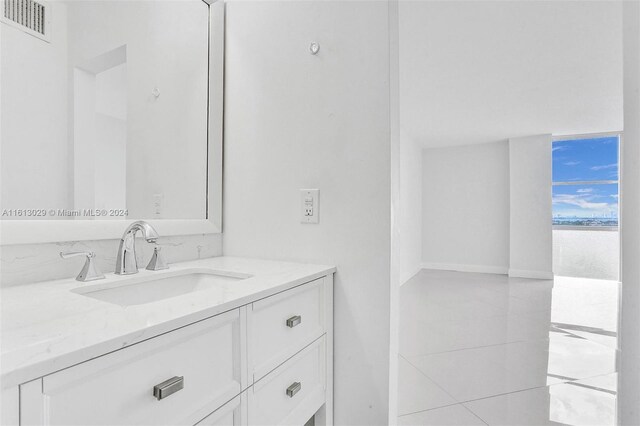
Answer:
[(538, 275), (483, 269), (407, 278)]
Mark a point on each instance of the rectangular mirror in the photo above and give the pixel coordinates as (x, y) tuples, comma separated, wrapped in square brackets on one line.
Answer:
[(111, 112)]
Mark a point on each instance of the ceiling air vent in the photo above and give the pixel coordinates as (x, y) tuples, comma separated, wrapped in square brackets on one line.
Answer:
[(30, 16)]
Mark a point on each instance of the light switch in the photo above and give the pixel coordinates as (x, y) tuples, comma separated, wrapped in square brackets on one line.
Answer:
[(309, 205), (158, 201)]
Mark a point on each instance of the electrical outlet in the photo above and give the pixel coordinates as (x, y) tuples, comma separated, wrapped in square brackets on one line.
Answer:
[(309, 205)]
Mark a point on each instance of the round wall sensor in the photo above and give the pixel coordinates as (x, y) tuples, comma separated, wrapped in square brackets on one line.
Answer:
[(314, 48)]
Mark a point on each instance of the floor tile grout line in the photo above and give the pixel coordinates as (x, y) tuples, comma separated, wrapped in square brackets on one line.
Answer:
[(474, 414), (430, 409), (564, 382), (461, 321), (447, 406), (508, 343), (429, 378), (465, 401), (477, 399), (477, 347), (509, 393), (527, 321), (534, 388)]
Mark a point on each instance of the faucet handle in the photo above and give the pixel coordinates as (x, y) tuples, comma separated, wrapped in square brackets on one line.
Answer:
[(90, 271), (157, 261), (68, 254)]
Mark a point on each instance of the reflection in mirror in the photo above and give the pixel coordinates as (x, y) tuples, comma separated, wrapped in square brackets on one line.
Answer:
[(104, 111)]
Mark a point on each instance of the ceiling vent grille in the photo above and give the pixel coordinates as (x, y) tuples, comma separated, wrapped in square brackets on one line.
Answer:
[(28, 15)]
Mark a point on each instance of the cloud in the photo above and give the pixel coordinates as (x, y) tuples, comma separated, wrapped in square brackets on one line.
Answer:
[(580, 201), (572, 163), (614, 196), (605, 166), (584, 190)]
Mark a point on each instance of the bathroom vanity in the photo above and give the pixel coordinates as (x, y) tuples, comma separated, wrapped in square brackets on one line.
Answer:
[(133, 133), (220, 341)]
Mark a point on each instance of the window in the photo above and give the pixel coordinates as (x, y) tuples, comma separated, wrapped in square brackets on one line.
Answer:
[(585, 182)]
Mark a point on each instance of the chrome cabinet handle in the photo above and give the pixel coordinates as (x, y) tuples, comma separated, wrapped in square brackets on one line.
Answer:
[(294, 389), (168, 387), (293, 321)]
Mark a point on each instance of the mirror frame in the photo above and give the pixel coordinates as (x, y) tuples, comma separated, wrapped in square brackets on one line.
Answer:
[(49, 231)]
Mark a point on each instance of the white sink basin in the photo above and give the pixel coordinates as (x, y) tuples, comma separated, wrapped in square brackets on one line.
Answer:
[(139, 290)]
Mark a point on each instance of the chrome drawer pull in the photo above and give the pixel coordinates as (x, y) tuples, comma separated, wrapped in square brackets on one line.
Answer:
[(168, 387), (294, 389), (293, 321)]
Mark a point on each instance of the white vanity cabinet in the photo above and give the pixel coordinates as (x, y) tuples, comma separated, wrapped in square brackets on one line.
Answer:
[(280, 325), (117, 388), (233, 413), (288, 394), (263, 363)]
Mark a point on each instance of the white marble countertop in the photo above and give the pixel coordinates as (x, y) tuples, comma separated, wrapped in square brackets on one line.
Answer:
[(46, 327)]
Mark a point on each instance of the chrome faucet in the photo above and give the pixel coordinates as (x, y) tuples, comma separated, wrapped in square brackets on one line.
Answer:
[(90, 271), (126, 262)]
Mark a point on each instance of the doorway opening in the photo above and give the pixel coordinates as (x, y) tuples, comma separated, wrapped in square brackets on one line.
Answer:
[(586, 236), (586, 200)]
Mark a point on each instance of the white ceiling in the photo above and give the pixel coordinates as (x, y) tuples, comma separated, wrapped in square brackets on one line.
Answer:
[(481, 71)]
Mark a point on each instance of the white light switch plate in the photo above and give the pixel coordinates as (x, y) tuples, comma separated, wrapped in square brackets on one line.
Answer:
[(309, 205), (158, 205)]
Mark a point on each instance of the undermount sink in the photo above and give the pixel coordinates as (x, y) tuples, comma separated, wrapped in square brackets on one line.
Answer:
[(139, 290)]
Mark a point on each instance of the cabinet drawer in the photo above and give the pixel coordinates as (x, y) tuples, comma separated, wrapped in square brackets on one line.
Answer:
[(281, 325), (118, 388), (293, 392), (233, 413)]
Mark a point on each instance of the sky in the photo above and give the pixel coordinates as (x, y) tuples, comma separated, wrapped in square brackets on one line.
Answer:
[(582, 160)]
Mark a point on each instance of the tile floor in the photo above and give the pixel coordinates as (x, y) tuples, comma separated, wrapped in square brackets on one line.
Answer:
[(482, 349)]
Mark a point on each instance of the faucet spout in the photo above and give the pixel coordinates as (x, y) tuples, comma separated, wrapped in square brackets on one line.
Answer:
[(126, 262)]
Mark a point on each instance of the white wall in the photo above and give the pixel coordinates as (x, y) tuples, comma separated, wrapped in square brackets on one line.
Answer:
[(476, 72), (465, 208), (484, 71), (629, 377), (294, 120), (410, 212), (395, 265), (466, 213), (531, 240)]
